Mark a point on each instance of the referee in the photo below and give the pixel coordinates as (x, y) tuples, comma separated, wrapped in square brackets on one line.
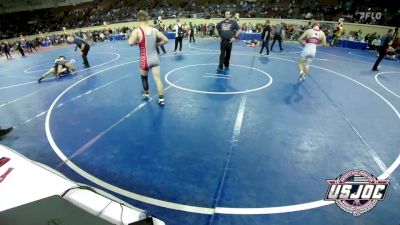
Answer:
[(83, 46), (386, 41), (227, 29), (278, 35)]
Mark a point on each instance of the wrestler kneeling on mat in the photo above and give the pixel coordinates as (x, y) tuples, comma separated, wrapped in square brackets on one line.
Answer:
[(61, 66)]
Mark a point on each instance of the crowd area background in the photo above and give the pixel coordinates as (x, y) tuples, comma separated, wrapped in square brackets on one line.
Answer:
[(49, 27)]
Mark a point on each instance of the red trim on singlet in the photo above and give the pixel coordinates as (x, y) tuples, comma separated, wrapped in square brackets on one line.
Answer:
[(143, 52), (313, 40)]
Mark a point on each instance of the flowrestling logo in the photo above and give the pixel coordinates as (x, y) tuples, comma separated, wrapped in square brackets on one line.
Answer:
[(356, 191)]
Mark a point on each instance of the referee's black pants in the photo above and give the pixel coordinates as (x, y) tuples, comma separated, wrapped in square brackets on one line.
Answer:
[(178, 40), (226, 48), (382, 54), (21, 50), (85, 52), (162, 48), (191, 37), (265, 45), (279, 38)]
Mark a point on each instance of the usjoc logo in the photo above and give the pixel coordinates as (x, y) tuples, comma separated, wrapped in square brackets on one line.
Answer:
[(356, 191)]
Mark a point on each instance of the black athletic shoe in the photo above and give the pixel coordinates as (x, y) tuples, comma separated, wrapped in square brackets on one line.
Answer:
[(5, 131), (226, 67), (373, 69), (220, 69), (40, 80)]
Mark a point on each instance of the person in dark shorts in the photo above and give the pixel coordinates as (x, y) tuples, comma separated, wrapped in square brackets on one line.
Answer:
[(228, 29), (83, 46), (386, 41)]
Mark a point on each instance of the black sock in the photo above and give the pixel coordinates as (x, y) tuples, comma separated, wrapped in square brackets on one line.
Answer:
[(145, 83)]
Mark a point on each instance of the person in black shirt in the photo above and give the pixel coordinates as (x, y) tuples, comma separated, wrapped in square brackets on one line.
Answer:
[(84, 47), (396, 33), (191, 35), (159, 27), (5, 47), (265, 36), (18, 46), (30, 46), (178, 28), (228, 29), (386, 41)]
